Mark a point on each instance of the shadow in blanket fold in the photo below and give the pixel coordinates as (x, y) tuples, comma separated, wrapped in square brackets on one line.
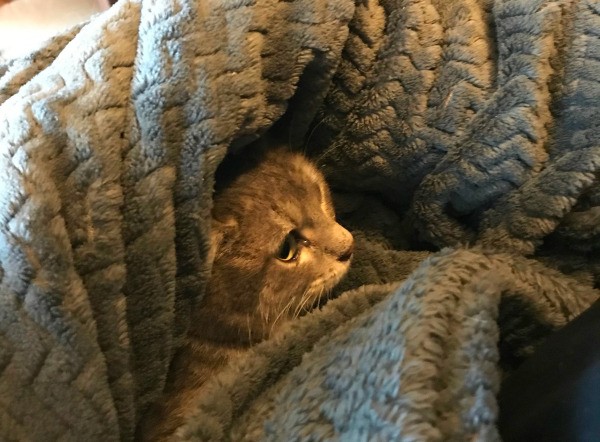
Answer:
[(555, 394)]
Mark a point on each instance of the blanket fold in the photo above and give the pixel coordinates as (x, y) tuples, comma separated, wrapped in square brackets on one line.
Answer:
[(465, 124)]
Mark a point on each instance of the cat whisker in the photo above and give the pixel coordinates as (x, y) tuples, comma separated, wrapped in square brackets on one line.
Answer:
[(324, 291), (300, 304), (318, 303), (312, 132), (249, 328), (265, 313), (281, 313), (303, 302)]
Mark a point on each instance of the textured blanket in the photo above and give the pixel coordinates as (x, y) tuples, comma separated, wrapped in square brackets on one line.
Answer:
[(462, 142)]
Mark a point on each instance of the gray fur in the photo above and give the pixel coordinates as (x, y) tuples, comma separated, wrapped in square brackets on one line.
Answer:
[(251, 219)]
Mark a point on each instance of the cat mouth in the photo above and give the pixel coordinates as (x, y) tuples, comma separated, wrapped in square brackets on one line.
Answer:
[(321, 289), (315, 296)]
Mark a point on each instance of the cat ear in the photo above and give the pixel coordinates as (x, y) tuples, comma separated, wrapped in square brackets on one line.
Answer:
[(220, 232)]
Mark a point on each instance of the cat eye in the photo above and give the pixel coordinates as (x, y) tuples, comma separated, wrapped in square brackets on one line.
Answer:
[(289, 250)]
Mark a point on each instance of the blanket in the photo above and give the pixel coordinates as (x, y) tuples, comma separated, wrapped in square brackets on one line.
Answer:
[(462, 145)]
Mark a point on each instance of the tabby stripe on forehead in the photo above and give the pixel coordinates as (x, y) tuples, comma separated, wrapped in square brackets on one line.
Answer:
[(325, 207), (324, 201)]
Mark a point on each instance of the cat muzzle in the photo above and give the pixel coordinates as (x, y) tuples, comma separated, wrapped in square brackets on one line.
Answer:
[(345, 256)]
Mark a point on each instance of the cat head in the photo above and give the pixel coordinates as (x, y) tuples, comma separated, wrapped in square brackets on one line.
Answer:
[(278, 250)]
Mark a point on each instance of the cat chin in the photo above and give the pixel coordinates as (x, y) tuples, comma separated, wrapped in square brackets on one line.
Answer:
[(321, 295), (327, 282)]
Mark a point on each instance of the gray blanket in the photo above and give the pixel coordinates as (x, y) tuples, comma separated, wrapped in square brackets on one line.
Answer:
[(461, 140)]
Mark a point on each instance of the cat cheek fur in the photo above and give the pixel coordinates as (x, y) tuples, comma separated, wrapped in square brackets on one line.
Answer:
[(220, 233), (314, 274)]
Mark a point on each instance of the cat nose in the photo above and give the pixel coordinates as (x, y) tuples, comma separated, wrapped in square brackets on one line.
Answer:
[(345, 256), (346, 245)]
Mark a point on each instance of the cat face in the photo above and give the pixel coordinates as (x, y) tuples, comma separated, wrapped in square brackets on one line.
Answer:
[(278, 248)]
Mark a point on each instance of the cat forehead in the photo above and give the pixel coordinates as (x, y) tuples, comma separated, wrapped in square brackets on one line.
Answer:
[(317, 178), (284, 185), (292, 168), (312, 179)]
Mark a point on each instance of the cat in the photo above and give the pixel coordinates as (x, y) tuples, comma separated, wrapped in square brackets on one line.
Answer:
[(277, 252)]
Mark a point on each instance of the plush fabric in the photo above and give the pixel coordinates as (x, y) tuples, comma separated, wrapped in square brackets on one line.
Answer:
[(462, 143)]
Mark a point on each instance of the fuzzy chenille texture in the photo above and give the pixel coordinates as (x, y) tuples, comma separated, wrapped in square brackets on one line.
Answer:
[(475, 120), (416, 361), (109, 139)]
